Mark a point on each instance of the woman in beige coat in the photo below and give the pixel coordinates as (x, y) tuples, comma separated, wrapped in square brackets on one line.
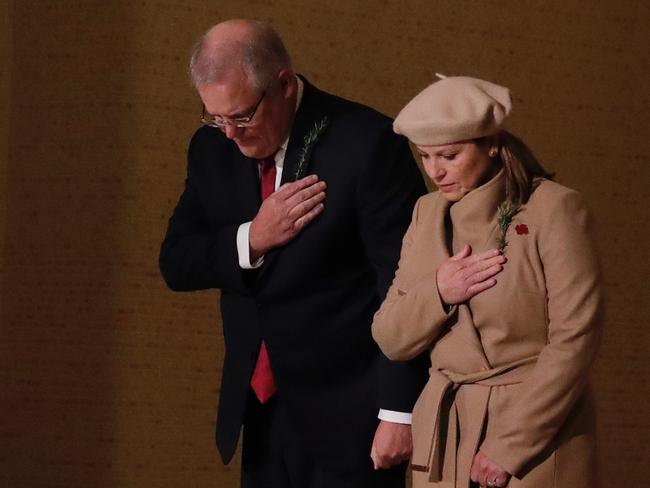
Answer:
[(498, 281)]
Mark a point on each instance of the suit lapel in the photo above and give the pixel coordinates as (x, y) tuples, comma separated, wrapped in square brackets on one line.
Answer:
[(309, 113), (247, 184)]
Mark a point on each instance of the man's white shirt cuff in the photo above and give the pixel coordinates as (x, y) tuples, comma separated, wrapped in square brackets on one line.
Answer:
[(395, 417), (243, 248)]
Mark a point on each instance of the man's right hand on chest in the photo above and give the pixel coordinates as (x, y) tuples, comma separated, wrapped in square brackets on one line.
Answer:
[(285, 213)]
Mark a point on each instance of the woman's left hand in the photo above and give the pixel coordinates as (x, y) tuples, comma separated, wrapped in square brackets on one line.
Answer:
[(487, 473)]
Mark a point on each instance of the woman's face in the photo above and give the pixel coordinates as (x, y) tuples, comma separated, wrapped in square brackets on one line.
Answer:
[(458, 168)]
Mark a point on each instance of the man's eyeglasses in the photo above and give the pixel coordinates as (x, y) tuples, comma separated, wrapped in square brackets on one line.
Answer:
[(221, 122)]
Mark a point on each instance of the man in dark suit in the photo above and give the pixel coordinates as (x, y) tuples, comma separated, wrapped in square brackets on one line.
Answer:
[(300, 275)]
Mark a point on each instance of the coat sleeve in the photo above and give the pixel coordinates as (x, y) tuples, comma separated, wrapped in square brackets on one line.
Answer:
[(412, 315), (388, 189), (574, 304), (197, 254)]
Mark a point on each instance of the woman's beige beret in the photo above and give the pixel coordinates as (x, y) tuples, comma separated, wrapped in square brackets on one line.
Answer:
[(454, 109)]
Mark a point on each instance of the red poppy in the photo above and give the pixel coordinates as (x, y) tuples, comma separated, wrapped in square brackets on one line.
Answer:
[(521, 229)]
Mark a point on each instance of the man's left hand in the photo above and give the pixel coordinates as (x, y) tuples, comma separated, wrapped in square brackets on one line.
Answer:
[(392, 444)]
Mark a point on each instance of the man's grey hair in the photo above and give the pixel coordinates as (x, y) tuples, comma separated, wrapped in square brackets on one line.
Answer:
[(260, 53)]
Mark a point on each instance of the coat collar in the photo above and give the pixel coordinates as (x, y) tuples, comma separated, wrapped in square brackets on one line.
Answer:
[(474, 217), (479, 206), (472, 220)]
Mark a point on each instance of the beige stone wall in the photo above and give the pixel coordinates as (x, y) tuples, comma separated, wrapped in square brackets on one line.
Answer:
[(110, 380)]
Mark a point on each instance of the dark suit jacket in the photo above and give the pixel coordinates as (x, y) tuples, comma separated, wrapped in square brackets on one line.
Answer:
[(313, 299)]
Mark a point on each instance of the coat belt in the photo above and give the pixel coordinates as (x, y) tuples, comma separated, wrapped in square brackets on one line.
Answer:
[(435, 441)]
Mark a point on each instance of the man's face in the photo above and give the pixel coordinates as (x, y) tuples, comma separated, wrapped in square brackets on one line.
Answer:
[(236, 97)]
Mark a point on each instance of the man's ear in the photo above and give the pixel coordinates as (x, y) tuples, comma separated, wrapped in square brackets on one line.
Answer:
[(288, 84)]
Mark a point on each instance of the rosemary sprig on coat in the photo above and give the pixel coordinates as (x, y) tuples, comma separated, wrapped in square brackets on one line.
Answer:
[(505, 213), (309, 141)]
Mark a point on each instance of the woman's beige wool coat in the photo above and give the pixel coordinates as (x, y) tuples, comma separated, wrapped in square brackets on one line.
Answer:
[(509, 367)]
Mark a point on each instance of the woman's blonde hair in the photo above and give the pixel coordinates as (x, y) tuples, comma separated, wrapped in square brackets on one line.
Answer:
[(521, 168)]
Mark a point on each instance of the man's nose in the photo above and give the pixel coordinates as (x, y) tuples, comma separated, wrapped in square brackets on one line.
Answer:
[(231, 130)]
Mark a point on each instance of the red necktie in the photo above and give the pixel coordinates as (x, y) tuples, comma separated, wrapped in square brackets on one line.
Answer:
[(262, 380)]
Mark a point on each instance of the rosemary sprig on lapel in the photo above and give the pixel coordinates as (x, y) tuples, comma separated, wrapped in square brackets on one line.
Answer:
[(505, 213), (310, 140)]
